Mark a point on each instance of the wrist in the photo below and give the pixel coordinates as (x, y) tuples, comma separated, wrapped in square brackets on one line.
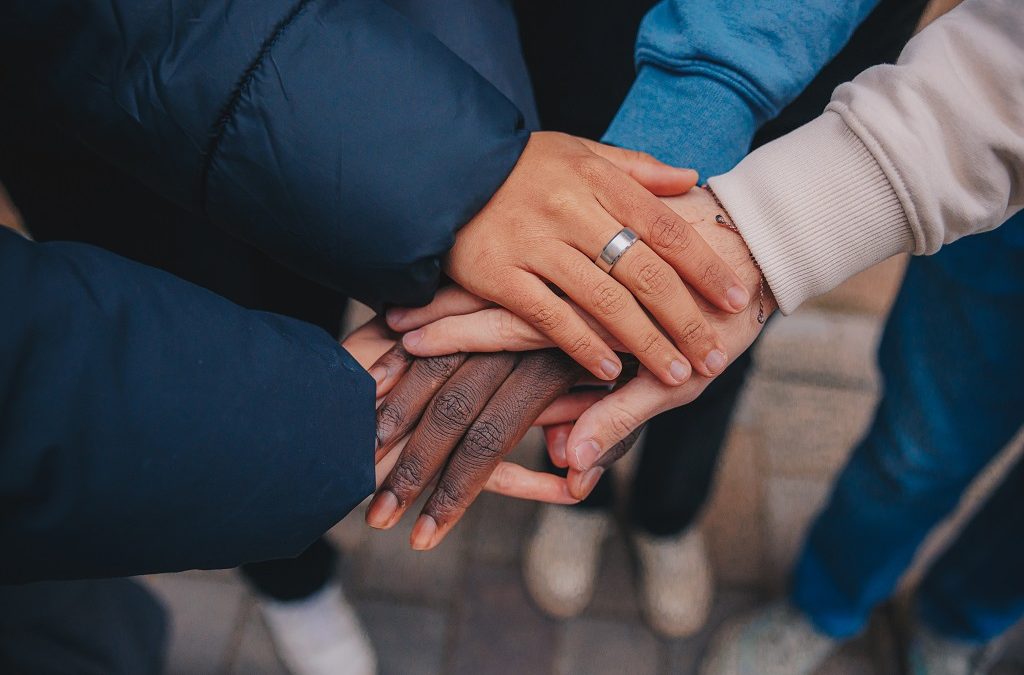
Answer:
[(691, 120)]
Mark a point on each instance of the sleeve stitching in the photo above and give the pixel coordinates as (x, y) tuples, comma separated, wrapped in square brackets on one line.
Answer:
[(227, 113)]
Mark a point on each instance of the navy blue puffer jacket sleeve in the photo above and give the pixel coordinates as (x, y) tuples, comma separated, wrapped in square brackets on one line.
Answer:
[(336, 136), (149, 425)]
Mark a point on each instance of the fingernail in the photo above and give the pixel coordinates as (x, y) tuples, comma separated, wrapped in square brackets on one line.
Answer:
[(738, 297), (412, 339), (586, 453), (379, 374), (395, 316), (679, 371), (590, 479), (610, 369), (715, 361), (423, 533), (382, 510), (558, 449)]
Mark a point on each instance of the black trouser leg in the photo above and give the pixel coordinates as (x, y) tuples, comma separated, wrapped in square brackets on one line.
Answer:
[(679, 455), (294, 578)]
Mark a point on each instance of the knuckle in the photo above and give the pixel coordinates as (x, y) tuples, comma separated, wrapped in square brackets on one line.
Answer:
[(544, 316), (589, 168), (691, 332), (452, 408), (446, 500), (561, 201), (649, 342), (502, 478), (503, 326), (712, 275), (441, 367), (407, 476), (482, 442), (652, 279), (389, 416), (609, 299), (668, 232), (623, 422), (580, 345)]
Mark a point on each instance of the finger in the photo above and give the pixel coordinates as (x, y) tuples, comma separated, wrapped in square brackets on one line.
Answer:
[(657, 287), (661, 179), (386, 463), (539, 378), (615, 308), (449, 301), (443, 424), (389, 368), (535, 303), (674, 239), (620, 413), (513, 480), (569, 407), (402, 408), (488, 330), (555, 438), (580, 484)]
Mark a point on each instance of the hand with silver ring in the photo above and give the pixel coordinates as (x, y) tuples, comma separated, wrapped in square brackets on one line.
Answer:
[(565, 202)]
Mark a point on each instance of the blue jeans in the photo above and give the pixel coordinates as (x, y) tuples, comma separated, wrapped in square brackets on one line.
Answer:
[(953, 369)]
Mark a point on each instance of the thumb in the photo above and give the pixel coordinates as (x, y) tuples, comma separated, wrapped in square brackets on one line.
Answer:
[(660, 178)]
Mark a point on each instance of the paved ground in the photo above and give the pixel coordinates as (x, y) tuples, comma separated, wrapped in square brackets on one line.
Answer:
[(462, 609)]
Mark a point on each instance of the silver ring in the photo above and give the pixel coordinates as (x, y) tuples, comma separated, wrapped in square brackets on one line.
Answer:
[(615, 248)]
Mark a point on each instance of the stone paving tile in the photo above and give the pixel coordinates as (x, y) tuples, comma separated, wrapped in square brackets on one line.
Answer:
[(205, 616), (870, 292), (732, 518), (409, 640), (807, 430), (607, 647), (615, 592), (822, 348), (791, 504), (255, 654), (502, 526), (852, 659), (386, 564), (684, 656), (499, 630)]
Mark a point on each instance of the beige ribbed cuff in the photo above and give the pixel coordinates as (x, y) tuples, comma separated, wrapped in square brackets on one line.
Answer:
[(815, 208)]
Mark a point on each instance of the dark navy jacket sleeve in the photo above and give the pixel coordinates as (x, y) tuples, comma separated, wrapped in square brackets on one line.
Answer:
[(149, 425), (336, 136)]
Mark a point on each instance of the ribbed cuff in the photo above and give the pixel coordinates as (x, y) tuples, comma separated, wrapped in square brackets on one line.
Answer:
[(692, 121), (815, 208)]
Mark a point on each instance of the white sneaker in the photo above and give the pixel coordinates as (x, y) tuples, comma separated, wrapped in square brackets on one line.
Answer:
[(932, 654), (319, 635), (776, 640), (562, 557), (677, 582)]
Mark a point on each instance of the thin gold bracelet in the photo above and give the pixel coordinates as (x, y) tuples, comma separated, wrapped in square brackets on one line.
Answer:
[(726, 221)]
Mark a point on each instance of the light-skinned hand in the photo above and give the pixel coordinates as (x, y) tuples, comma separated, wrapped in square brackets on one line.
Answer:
[(563, 202), (458, 321)]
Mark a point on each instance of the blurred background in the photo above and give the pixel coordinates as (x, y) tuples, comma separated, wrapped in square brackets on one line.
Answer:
[(463, 609)]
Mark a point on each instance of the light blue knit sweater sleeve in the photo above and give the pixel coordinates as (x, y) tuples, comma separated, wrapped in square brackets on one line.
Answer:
[(710, 72)]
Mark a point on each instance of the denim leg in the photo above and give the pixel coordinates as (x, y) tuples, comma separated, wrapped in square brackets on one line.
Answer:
[(952, 367), (975, 591)]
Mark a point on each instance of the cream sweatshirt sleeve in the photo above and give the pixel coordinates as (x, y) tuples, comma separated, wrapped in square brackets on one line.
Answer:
[(905, 158)]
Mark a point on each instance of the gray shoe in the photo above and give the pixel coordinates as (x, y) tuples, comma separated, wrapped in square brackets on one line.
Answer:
[(562, 558), (776, 640), (932, 654), (676, 579)]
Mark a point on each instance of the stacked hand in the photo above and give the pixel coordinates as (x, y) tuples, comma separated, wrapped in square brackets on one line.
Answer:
[(564, 201), (465, 413)]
